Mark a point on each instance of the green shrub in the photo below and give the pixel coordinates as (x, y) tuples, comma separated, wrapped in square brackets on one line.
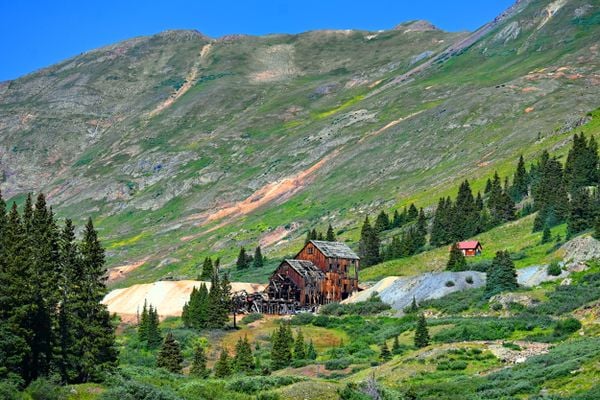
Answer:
[(45, 389), (304, 318), (248, 319), (511, 345), (370, 307), (456, 302), (454, 365), (567, 326), (132, 390), (268, 396), (554, 269), (255, 384), (9, 391), (337, 364)]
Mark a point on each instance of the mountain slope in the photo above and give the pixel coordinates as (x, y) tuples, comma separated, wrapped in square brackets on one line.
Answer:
[(182, 146)]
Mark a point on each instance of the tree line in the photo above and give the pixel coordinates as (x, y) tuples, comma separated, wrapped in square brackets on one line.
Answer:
[(558, 193), (284, 349), (51, 318)]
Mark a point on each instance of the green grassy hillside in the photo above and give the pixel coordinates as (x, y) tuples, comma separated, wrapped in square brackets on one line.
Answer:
[(181, 146)]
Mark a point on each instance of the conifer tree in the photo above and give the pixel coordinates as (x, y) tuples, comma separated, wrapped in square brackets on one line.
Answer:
[(488, 186), (421, 230), (330, 237), (520, 184), (223, 365), (243, 361), (154, 336), (441, 227), (397, 220), (169, 356), (207, 269), (465, 212), (369, 245), (100, 338), (281, 353), (226, 302), (142, 330), (311, 353), (479, 202), (414, 307), (299, 346), (382, 223), (421, 333), (456, 261), (242, 259), (198, 368), (314, 235), (396, 345), (546, 235), (581, 212), (502, 275), (413, 212), (550, 194), (384, 354), (258, 260)]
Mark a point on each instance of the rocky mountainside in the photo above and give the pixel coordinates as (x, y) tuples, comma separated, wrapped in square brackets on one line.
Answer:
[(181, 146)]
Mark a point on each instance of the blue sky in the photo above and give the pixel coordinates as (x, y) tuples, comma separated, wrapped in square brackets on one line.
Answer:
[(35, 34)]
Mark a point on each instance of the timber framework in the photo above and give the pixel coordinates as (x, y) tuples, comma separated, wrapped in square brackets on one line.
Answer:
[(321, 273)]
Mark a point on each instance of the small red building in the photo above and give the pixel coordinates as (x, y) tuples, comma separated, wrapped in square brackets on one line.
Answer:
[(470, 248)]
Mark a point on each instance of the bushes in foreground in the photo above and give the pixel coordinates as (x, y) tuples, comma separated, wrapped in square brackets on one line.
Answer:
[(370, 307)]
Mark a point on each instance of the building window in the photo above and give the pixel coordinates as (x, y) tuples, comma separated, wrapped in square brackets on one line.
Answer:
[(309, 250)]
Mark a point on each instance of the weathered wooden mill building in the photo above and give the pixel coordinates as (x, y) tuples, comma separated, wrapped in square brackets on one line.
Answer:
[(322, 272)]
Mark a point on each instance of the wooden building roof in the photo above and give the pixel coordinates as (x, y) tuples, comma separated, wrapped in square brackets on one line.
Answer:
[(306, 269), (335, 249)]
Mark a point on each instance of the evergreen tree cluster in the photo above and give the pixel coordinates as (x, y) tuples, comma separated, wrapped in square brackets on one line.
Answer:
[(412, 240), (209, 309), (51, 318), (316, 235), (245, 260), (469, 215), (148, 327), (286, 348), (209, 268)]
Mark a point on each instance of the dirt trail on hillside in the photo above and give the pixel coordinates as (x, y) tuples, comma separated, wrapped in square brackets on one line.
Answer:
[(388, 126), (118, 273), (190, 79), (168, 296), (279, 190)]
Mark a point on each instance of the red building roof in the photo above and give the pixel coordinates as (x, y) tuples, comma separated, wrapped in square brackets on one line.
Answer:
[(469, 245)]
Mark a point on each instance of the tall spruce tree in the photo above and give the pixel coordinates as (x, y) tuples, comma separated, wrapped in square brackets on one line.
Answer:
[(412, 213), (520, 186), (550, 194), (382, 223), (169, 356), (143, 322), (581, 212), (502, 275), (208, 269), (198, 368), (330, 237), (154, 336), (299, 346), (465, 212), (311, 353), (441, 227), (223, 365), (456, 261), (242, 259), (258, 260), (281, 348), (421, 332), (369, 245), (243, 361)]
